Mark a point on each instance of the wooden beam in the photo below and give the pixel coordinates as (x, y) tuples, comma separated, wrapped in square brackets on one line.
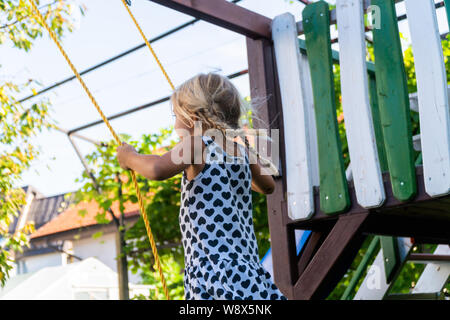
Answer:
[(332, 259), (224, 14), (425, 218), (428, 257), (264, 84), (236, 18), (309, 250)]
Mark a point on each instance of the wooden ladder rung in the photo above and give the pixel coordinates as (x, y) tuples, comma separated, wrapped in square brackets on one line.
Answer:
[(428, 257), (415, 296)]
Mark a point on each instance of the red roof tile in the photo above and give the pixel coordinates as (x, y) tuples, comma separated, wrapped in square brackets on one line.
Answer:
[(71, 218)]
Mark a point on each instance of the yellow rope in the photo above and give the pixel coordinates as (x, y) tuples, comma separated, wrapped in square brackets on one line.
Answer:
[(148, 45), (116, 137)]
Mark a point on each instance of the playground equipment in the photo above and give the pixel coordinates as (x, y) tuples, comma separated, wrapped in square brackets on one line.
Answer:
[(388, 195)]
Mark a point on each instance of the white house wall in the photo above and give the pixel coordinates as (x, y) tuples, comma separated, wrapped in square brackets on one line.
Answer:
[(102, 248), (35, 263)]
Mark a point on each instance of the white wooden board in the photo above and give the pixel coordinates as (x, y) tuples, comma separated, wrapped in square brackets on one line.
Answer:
[(295, 118), (356, 106), (375, 286), (308, 99), (436, 274), (434, 112)]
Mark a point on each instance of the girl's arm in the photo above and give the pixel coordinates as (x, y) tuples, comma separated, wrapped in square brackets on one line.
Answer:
[(262, 183), (155, 167)]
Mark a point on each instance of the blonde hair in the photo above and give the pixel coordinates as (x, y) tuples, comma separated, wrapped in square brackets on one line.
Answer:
[(211, 99), (214, 101)]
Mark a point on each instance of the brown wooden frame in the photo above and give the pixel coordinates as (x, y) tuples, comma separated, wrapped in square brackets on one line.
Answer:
[(335, 240)]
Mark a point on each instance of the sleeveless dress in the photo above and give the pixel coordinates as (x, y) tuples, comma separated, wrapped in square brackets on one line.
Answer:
[(216, 223)]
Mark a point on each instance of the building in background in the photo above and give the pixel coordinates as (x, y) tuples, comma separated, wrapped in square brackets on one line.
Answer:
[(89, 279), (62, 236)]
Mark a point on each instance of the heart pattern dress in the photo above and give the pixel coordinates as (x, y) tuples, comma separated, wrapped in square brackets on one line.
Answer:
[(216, 223)]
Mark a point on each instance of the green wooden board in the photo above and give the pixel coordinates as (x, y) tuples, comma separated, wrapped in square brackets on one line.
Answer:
[(419, 159), (334, 195), (390, 256), (393, 102), (335, 56), (377, 123)]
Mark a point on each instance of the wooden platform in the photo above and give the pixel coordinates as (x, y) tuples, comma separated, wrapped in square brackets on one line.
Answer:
[(336, 239), (423, 217)]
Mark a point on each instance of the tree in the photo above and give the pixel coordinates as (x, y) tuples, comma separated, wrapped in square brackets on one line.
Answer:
[(20, 122)]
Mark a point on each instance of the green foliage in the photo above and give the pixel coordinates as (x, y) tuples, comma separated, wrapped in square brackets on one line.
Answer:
[(20, 25), (173, 273), (19, 123), (260, 223), (116, 185)]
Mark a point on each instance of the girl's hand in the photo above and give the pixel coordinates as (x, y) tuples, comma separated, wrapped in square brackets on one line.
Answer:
[(124, 153)]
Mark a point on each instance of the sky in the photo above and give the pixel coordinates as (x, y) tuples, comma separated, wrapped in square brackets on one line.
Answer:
[(106, 30)]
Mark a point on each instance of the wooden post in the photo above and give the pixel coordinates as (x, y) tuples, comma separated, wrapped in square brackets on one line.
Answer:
[(332, 259), (264, 84), (122, 264), (309, 250), (224, 14)]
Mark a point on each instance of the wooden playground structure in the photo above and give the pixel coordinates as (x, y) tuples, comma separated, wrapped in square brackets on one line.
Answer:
[(386, 190), (390, 195)]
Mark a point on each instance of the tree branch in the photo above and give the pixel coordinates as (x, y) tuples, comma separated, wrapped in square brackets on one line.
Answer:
[(27, 16)]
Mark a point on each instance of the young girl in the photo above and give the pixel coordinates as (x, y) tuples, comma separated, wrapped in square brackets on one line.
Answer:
[(216, 222)]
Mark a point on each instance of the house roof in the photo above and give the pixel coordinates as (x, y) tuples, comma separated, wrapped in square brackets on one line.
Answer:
[(71, 218), (46, 209), (42, 209)]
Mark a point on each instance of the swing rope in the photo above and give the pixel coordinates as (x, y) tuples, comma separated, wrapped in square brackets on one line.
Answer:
[(148, 45), (116, 137)]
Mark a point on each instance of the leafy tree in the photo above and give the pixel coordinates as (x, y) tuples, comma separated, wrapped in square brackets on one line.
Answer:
[(19, 122)]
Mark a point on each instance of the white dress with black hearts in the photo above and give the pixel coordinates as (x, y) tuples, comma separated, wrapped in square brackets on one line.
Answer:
[(216, 222)]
